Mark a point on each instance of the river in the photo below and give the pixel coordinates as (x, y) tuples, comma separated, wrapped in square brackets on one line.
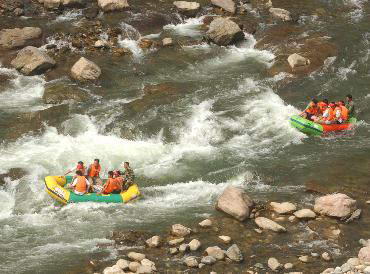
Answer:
[(229, 120)]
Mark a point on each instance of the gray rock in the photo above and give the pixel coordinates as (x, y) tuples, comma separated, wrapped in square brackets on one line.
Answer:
[(345, 267), (180, 230), (208, 260), (233, 201), (184, 248), (148, 264), (288, 266), (176, 241), (228, 5), (296, 60), (191, 261), (364, 254), (225, 239), (113, 270), (85, 70), (187, 8), (173, 250), (355, 215), (194, 245), (234, 253), (274, 264), (215, 252), (353, 262), (32, 61), (223, 32), (265, 223)]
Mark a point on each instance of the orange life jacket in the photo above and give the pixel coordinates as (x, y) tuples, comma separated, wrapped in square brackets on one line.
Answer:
[(111, 185), (322, 106), (82, 168), (331, 115), (344, 113), (119, 181), (311, 109), (81, 185), (94, 171)]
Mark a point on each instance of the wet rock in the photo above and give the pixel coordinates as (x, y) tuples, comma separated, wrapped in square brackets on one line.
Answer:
[(134, 266), (145, 43), (305, 214), (335, 205), (57, 92), (153, 241), (364, 242), (235, 202), (296, 60), (173, 250), (355, 215), (123, 264), (32, 61), (326, 256), (215, 252), (364, 254), (149, 265), (288, 266), (367, 270), (85, 70), (316, 187), (303, 259), (227, 5), (328, 270), (225, 239), (187, 8), (208, 260), (167, 42), (10, 5), (194, 245), (100, 44), (113, 270), (17, 38), (353, 262), (12, 174), (136, 256), (52, 4), (176, 241), (283, 208), (180, 230), (274, 264), (113, 5), (234, 253), (345, 268), (144, 269), (18, 12), (259, 231), (191, 261), (265, 223), (223, 32), (130, 238), (315, 255), (184, 248), (292, 219), (280, 14), (73, 3), (91, 12), (206, 223)]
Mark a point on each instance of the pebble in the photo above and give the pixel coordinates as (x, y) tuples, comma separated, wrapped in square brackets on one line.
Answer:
[(234, 253), (183, 248), (191, 261), (259, 231), (225, 239), (215, 252), (153, 241), (206, 223), (303, 259), (194, 245), (288, 266), (176, 241), (315, 255), (180, 230), (149, 263), (305, 214), (326, 256), (209, 260), (167, 42), (273, 264), (292, 219), (136, 256), (173, 250)]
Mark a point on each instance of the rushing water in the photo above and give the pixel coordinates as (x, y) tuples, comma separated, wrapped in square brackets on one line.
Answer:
[(230, 121)]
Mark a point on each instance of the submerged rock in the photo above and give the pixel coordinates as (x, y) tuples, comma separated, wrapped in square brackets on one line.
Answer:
[(208, 260), (85, 70), (223, 32), (227, 5), (234, 253), (225, 239), (32, 61), (335, 205), (265, 223), (113, 5), (17, 38), (167, 42), (206, 223), (283, 208), (180, 230), (235, 202), (187, 8), (57, 92), (12, 174), (52, 4)]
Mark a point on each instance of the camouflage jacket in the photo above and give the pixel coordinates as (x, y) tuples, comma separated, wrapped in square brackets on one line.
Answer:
[(129, 176)]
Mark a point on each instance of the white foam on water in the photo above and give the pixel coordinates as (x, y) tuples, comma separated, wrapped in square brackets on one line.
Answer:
[(343, 72), (189, 27), (68, 15), (24, 92)]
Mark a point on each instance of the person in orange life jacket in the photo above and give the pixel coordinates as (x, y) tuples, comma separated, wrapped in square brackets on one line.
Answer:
[(119, 178), (80, 166), (328, 115), (80, 184), (323, 105), (93, 173), (111, 186), (311, 111), (341, 112)]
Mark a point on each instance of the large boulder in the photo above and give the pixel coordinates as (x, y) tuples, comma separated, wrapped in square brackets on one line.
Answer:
[(283, 208), (281, 14), (56, 93), (85, 70), (228, 5), (364, 254), (222, 31), (265, 223), (187, 8), (235, 202), (17, 38), (335, 205), (296, 60), (113, 5), (32, 61)]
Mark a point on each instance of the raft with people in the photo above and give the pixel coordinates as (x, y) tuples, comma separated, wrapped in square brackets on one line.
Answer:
[(322, 118)]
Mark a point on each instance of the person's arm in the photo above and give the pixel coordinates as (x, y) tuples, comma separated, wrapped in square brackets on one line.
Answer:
[(69, 171), (337, 114), (73, 184)]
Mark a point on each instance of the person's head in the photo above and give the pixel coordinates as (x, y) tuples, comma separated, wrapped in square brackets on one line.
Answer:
[(80, 163), (110, 174), (341, 103), (349, 97), (96, 162), (314, 101), (117, 173), (126, 164), (332, 104), (79, 173), (326, 101)]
